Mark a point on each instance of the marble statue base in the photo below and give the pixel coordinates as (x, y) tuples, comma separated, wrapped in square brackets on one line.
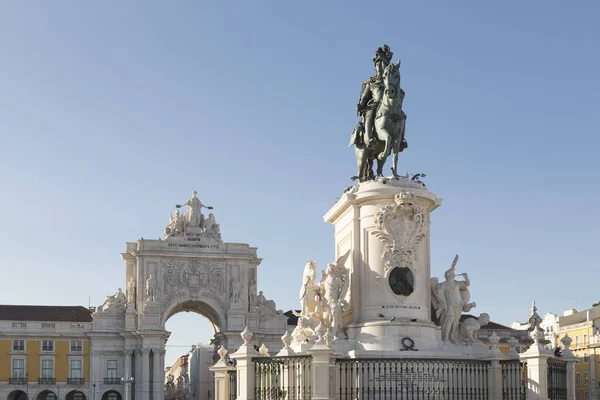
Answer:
[(385, 225)]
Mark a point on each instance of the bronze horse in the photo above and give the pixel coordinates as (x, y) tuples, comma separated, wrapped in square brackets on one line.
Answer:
[(388, 129)]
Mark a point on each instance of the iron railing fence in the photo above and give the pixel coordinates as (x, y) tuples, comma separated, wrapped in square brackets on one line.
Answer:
[(232, 375), (514, 380), (415, 379), (557, 379), (283, 378)]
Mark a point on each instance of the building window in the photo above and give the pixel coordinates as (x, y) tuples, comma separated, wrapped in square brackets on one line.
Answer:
[(585, 340), (76, 369), (111, 370), (47, 369), (578, 379), (76, 345), (18, 368), (47, 345), (586, 357), (586, 377), (576, 342), (18, 345)]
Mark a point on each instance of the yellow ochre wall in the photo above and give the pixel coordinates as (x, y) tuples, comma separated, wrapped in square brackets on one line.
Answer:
[(86, 361), (5, 359), (61, 362), (33, 370)]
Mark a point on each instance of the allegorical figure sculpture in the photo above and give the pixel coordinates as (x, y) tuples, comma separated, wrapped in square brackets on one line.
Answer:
[(309, 292), (131, 288), (212, 228), (151, 289), (334, 286), (470, 327), (235, 290), (382, 121), (449, 300), (195, 219), (113, 302), (265, 306), (176, 226)]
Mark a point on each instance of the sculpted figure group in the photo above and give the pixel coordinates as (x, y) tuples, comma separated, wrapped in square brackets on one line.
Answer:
[(324, 302), (192, 220), (449, 300), (381, 128)]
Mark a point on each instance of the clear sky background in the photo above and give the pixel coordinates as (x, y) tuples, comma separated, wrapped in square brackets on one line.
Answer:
[(111, 112)]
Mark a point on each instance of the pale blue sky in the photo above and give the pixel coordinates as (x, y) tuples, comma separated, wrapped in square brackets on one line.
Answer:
[(112, 111)]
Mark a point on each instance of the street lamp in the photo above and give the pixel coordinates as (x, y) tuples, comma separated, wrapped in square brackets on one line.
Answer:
[(127, 382)]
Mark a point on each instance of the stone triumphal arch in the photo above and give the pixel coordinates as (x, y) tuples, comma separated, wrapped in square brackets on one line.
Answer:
[(190, 269)]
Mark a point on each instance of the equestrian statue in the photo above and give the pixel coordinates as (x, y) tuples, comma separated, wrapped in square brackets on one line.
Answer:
[(380, 131)]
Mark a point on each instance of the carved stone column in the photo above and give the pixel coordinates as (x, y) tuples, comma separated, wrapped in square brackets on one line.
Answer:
[(95, 368), (145, 386), (127, 374), (158, 374)]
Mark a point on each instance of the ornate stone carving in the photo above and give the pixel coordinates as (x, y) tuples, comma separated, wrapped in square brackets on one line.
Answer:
[(252, 298), (235, 290), (401, 226), (309, 292), (151, 289), (246, 335), (470, 327), (114, 304), (333, 287), (192, 226), (131, 289), (449, 299), (265, 307), (193, 277)]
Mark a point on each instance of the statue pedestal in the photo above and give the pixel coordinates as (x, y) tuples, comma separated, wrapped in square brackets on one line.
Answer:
[(130, 318), (386, 227)]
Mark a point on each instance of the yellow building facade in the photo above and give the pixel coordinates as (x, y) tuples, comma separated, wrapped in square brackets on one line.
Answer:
[(582, 328), (44, 353)]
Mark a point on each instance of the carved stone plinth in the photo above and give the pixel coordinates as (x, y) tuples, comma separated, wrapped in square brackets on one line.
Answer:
[(386, 227)]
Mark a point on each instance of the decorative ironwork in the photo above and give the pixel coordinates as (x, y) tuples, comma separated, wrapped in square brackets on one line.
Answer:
[(557, 379), (17, 381), (279, 378), (393, 379), (112, 381), (514, 380), (75, 381), (232, 384), (46, 381)]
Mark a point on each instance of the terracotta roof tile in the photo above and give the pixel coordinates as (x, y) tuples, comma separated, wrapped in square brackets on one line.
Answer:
[(45, 313)]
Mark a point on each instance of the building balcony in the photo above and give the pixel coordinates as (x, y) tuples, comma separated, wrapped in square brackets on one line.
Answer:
[(47, 381), (112, 381), (17, 381), (75, 381)]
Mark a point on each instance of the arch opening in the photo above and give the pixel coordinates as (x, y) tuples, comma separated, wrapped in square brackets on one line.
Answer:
[(112, 395), (46, 395), (75, 395), (190, 349), (17, 395), (204, 308)]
